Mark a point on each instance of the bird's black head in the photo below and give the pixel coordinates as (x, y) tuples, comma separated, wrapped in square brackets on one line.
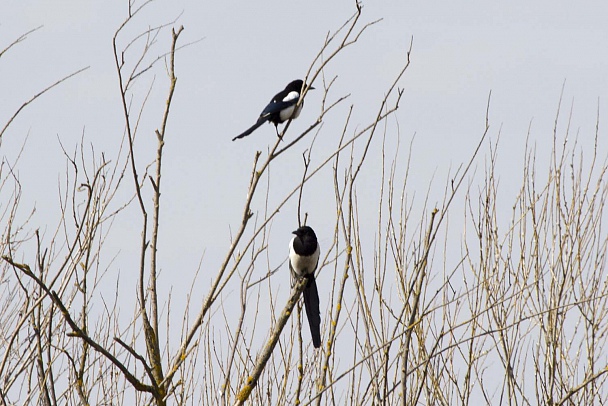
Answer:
[(306, 233), (305, 242), (296, 85)]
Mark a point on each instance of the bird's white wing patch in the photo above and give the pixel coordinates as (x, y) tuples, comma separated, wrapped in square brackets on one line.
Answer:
[(293, 95)]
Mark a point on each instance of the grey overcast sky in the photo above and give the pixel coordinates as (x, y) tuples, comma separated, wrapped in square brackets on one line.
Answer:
[(521, 51)]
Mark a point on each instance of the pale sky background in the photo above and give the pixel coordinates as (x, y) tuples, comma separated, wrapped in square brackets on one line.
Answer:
[(521, 51)]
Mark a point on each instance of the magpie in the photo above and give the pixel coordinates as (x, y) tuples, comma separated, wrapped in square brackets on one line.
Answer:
[(303, 261), (281, 108)]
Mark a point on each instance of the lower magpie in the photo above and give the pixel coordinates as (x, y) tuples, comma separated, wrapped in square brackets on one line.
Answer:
[(281, 108), (303, 261)]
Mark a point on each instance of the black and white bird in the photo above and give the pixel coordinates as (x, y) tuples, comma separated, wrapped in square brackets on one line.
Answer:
[(283, 106), (303, 261)]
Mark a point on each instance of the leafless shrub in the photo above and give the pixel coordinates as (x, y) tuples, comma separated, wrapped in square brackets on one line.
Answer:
[(519, 317)]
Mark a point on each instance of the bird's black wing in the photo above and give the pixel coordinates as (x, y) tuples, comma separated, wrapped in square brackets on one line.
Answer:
[(311, 304), (280, 101)]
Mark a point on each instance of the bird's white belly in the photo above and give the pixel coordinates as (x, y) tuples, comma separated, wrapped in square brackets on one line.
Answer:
[(290, 112), (303, 264)]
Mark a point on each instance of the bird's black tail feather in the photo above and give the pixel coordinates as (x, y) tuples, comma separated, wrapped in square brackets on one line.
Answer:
[(251, 129), (311, 304)]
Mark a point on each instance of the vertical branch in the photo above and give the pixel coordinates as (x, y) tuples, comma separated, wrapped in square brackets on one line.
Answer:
[(420, 275), (151, 330), (306, 158), (119, 62)]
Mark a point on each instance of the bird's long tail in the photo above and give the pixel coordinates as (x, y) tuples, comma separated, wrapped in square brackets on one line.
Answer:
[(311, 304), (251, 129)]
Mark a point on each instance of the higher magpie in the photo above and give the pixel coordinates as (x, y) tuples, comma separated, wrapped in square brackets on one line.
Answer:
[(281, 108), (303, 261)]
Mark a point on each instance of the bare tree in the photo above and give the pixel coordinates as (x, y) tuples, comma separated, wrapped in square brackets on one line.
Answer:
[(517, 318)]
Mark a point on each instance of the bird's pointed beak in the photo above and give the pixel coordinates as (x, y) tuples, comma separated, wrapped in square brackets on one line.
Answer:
[(311, 88), (295, 232)]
